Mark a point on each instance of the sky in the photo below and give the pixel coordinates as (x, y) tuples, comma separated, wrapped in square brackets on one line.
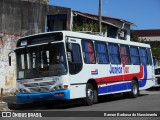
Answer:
[(145, 14)]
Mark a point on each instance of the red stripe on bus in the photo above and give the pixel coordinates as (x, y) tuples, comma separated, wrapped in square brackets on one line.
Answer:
[(118, 78)]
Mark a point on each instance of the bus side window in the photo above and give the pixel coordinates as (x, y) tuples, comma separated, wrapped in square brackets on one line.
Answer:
[(125, 56), (114, 53), (143, 55), (76, 54), (75, 65), (149, 56), (88, 52), (134, 55), (101, 53)]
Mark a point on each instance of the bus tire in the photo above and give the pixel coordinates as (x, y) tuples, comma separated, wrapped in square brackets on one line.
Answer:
[(95, 96), (91, 95), (134, 90)]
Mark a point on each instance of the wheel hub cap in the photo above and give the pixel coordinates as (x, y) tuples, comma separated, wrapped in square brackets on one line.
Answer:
[(90, 94)]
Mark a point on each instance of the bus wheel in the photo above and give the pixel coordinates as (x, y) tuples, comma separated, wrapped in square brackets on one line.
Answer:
[(134, 90), (91, 95)]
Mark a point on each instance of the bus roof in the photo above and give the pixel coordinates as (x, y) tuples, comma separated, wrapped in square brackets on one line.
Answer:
[(92, 37), (101, 38)]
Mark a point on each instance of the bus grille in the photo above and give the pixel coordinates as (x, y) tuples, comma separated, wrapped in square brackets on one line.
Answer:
[(31, 85), (39, 84), (33, 90), (46, 83), (39, 87)]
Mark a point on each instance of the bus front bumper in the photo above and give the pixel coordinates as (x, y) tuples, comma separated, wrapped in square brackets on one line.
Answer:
[(43, 96)]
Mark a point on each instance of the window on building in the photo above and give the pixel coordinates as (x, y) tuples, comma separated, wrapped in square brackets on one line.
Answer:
[(134, 55), (88, 52), (113, 50), (124, 53), (56, 22), (111, 31), (101, 53)]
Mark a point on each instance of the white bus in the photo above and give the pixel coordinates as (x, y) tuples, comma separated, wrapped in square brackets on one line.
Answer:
[(66, 65)]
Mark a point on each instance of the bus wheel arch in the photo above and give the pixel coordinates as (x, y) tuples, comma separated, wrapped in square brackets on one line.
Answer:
[(135, 79), (91, 93)]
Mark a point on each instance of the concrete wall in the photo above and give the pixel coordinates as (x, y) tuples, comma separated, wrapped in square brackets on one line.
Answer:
[(127, 27), (7, 74), (25, 18), (38, 1), (20, 18), (122, 26)]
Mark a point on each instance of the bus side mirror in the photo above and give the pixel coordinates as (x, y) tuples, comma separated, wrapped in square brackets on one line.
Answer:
[(69, 46), (69, 56), (9, 57)]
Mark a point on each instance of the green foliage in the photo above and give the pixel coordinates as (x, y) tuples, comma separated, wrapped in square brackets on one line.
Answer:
[(90, 26), (155, 48), (155, 45), (156, 52), (134, 37)]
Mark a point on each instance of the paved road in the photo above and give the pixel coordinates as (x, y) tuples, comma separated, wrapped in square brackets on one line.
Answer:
[(147, 101)]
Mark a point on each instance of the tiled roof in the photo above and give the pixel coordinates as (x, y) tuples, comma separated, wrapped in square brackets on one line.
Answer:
[(104, 18), (147, 33)]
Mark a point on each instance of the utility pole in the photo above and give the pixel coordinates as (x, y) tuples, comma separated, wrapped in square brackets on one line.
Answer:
[(100, 17)]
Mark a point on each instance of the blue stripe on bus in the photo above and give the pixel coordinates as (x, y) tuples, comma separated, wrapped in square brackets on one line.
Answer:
[(112, 88), (42, 96), (141, 83), (123, 86)]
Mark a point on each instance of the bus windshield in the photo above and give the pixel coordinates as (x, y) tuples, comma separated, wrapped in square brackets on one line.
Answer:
[(41, 61)]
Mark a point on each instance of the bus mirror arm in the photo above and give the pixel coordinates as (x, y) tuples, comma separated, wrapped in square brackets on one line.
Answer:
[(69, 46), (69, 56)]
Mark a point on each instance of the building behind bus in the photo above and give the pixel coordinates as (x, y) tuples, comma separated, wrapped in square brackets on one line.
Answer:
[(20, 18)]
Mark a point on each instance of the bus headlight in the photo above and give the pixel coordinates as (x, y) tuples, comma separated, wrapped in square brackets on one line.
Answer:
[(56, 79), (22, 91), (56, 88)]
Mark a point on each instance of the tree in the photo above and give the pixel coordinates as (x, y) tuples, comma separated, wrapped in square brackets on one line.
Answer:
[(134, 37), (154, 44)]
